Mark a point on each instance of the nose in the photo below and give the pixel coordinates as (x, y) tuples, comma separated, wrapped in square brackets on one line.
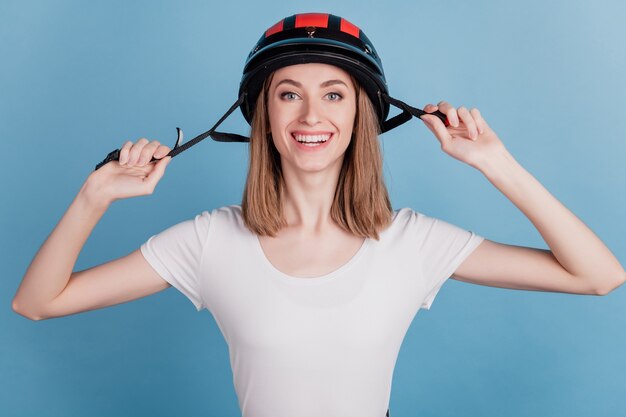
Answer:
[(311, 112)]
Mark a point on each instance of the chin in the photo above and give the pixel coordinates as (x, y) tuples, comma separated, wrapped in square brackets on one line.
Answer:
[(316, 167)]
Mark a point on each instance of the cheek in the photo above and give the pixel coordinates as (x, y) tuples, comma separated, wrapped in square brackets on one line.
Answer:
[(350, 111), (349, 121), (275, 127), (274, 115), (279, 123), (277, 131)]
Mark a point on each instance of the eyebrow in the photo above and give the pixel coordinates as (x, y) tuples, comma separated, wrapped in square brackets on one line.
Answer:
[(297, 84)]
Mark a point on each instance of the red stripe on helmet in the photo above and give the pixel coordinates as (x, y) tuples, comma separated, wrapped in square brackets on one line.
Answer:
[(349, 28), (278, 27), (319, 20)]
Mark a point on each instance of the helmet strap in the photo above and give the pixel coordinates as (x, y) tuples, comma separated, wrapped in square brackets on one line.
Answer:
[(178, 148), (407, 113), (405, 116)]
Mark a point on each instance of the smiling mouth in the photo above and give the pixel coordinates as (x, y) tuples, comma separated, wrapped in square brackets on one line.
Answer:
[(312, 140)]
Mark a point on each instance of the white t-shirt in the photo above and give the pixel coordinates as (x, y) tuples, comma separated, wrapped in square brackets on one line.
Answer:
[(310, 347)]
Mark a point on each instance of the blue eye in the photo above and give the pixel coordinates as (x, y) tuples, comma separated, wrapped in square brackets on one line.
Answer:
[(339, 96), (288, 93)]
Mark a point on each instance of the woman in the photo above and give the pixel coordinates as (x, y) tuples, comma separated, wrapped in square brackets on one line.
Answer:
[(314, 279)]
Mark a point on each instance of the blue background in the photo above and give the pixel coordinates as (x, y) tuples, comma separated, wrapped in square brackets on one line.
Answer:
[(78, 79)]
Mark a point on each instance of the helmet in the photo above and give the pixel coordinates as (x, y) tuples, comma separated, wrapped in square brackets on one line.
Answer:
[(300, 39), (314, 37)]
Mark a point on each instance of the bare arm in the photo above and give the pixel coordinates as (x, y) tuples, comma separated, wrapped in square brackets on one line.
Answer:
[(49, 287), (577, 262)]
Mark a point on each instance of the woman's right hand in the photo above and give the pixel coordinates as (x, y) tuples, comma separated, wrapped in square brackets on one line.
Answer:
[(133, 175)]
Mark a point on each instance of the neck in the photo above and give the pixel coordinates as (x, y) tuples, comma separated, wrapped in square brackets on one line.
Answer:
[(309, 197)]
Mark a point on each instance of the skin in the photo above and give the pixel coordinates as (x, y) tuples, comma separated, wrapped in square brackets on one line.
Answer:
[(311, 177), (577, 261), (310, 98)]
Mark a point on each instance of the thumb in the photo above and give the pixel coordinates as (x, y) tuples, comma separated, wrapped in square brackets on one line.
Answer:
[(157, 172), (438, 128)]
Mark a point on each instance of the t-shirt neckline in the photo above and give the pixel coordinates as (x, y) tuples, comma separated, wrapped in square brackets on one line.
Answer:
[(310, 280)]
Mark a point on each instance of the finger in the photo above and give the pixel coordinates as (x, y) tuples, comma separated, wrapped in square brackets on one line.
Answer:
[(429, 108), (161, 151), (480, 122), (135, 151), (124, 152), (469, 122), (438, 128), (156, 174), (449, 111), (146, 153)]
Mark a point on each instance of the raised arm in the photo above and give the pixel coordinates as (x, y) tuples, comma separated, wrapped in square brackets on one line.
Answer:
[(49, 288), (577, 262)]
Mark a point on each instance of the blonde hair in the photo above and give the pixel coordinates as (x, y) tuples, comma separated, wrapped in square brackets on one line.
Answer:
[(361, 203)]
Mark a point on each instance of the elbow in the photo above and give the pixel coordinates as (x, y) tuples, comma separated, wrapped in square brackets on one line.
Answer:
[(616, 283), (16, 308)]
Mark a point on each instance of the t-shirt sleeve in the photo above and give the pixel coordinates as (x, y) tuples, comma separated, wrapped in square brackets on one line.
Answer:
[(176, 254), (443, 247)]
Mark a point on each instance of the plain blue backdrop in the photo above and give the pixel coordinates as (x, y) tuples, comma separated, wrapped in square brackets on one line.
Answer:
[(78, 79)]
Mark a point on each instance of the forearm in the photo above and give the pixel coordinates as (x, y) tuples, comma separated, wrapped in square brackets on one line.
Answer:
[(572, 243), (51, 268)]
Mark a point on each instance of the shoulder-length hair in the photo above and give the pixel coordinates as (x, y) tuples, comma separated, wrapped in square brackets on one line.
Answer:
[(361, 203)]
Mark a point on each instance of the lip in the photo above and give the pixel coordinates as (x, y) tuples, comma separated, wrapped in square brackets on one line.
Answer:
[(317, 148)]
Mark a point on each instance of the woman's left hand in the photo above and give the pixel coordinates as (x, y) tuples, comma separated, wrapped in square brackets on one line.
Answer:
[(468, 138)]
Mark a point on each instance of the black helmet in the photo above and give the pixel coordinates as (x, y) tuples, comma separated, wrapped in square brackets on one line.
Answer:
[(314, 37), (300, 39)]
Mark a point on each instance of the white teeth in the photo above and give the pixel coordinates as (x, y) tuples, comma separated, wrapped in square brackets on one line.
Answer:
[(312, 138)]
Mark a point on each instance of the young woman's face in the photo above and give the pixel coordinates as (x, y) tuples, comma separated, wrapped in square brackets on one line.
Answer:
[(311, 110)]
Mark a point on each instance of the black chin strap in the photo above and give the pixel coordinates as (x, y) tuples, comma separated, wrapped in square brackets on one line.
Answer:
[(407, 113), (405, 116), (178, 148)]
